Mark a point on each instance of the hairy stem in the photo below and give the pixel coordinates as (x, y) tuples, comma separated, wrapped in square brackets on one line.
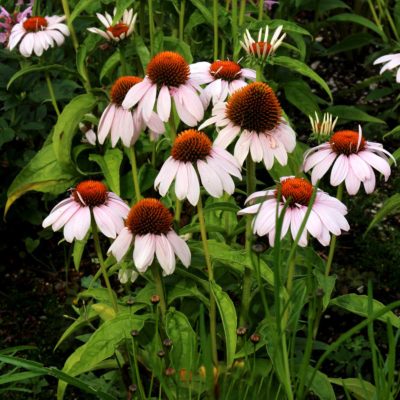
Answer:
[(52, 95)]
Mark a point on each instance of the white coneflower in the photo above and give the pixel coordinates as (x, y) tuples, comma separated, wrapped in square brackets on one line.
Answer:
[(119, 31), (352, 158), (262, 48), (74, 213), (391, 61), (322, 130), (123, 124), (37, 34), (149, 228), (326, 216), (168, 77), (253, 113), (221, 77), (195, 158)]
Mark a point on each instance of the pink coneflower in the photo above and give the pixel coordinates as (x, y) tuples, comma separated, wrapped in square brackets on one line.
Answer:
[(352, 158), (168, 76), (119, 31), (7, 21), (222, 79), (124, 124), (194, 157), (149, 226), (74, 213), (327, 213), (391, 61), (263, 47), (255, 114), (37, 34)]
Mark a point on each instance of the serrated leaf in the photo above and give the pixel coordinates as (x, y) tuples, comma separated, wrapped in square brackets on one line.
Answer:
[(303, 69)]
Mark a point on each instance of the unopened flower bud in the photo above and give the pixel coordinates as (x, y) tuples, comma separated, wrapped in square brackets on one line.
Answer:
[(167, 343), (134, 333), (155, 299), (161, 353), (169, 371), (255, 338), (241, 331)]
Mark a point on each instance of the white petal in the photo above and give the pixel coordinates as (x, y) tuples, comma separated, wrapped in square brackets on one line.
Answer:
[(121, 244), (165, 254), (210, 179), (180, 247), (143, 253)]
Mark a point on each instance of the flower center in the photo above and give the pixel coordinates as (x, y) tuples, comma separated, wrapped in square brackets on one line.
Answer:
[(121, 87), (260, 46), (149, 216), (118, 29), (90, 193), (35, 24), (227, 70), (298, 189), (346, 142), (168, 69), (191, 145), (254, 108)]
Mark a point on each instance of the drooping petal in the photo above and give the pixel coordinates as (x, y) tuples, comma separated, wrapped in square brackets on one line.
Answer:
[(143, 252), (180, 247), (121, 244), (165, 254)]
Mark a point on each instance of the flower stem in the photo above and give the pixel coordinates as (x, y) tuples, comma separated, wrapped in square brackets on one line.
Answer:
[(260, 9), (242, 11), (247, 276), (67, 13), (122, 60), (52, 95), (135, 176), (178, 210), (101, 262), (332, 245), (36, 8), (213, 308), (151, 26), (259, 73), (182, 19), (215, 19), (234, 20), (155, 269)]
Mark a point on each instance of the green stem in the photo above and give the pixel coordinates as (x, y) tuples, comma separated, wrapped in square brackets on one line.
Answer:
[(52, 95), (36, 8), (142, 18), (135, 176), (260, 9), (67, 13), (234, 19), (332, 245), (178, 210), (182, 19), (136, 366), (122, 60), (247, 276), (172, 124), (259, 73), (213, 307), (242, 11), (151, 26), (374, 15), (290, 276), (101, 262), (155, 269), (215, 22)]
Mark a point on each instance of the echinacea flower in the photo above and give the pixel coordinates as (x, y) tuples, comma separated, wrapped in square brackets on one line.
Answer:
[(7, 21), (222, 79), (326, 216), (119, 31), (253, 113), (194, 157), (123, 124), (322, 129), (262, 48), (74, 213), (391, 61), (168, 76), (88, 134), (37, 34), (149, 227), (352, 158)]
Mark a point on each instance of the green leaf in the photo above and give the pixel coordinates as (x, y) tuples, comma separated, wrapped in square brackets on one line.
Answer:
[(352, 113), (222, 206), (204, 10), (147, 174), (357, 19), (110, 165), (174, 44), (19, 376), (360, 389), (327, 5), (358, 304), (186, 288), (142, 51), (228, 315), (184, 350), (327, 284), (302, 69), (79, 247), (321, 385), (395, 131), (43, 174), (81, 6), (101, 346), (300, 95), (38, 68), (390, 206), (351, 42), (81, 56), (67, 125), (110, 64)]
